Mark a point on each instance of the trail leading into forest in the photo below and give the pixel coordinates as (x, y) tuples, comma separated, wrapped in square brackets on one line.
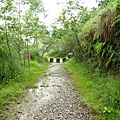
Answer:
[(55, 98)]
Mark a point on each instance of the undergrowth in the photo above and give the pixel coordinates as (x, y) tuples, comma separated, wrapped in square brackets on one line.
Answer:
[(14, 89), (101, 92)]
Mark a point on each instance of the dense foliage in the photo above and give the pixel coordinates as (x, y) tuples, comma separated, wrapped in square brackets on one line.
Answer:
[(92, 35), (100, 39), (21, 36)]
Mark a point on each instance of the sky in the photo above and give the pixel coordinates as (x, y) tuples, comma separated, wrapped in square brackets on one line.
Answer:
[(53, 10)]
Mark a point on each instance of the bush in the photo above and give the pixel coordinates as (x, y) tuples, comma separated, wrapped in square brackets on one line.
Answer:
[(42, 60), (58, 53), (5, 71), (34, 53)]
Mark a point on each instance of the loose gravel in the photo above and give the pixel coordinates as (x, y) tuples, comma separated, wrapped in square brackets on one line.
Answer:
[(55, 98)]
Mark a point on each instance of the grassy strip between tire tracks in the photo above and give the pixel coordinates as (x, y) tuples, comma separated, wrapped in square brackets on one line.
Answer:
[(14, 89), (100, 92)]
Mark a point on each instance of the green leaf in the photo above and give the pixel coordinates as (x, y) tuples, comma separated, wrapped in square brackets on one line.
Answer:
[(99, 46)]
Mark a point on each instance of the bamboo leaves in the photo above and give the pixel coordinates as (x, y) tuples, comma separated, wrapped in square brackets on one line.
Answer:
[(99, 46)]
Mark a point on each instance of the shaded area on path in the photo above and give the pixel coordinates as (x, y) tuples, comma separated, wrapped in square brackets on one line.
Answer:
[(55, 98)]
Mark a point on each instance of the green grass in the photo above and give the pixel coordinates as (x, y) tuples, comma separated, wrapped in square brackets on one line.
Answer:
[(14, 89), (100, 92)]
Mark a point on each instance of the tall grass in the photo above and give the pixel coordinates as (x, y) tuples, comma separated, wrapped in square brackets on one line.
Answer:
[(101, 92), (14, 89)]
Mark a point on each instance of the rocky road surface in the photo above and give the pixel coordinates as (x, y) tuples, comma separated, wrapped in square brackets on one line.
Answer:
[(55, 98)]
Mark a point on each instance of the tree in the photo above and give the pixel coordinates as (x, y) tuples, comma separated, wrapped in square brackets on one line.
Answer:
[(72, 20), (35, 8), (17, 32), (6, 18), (103, 3)]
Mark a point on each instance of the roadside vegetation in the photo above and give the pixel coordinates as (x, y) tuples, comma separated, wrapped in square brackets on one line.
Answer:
[(24, 39), (92, 35), (13, 90), (100, 92)]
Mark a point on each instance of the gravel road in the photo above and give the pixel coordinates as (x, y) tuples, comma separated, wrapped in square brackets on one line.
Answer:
[(55, 98)]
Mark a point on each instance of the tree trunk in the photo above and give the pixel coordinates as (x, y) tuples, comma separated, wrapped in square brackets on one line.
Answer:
[(79, 44), (25, 55), (45, 50), (28, 55), (9, 49), (19, 35)]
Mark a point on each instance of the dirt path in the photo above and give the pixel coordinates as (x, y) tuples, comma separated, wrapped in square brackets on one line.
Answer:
[(55, 98)]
